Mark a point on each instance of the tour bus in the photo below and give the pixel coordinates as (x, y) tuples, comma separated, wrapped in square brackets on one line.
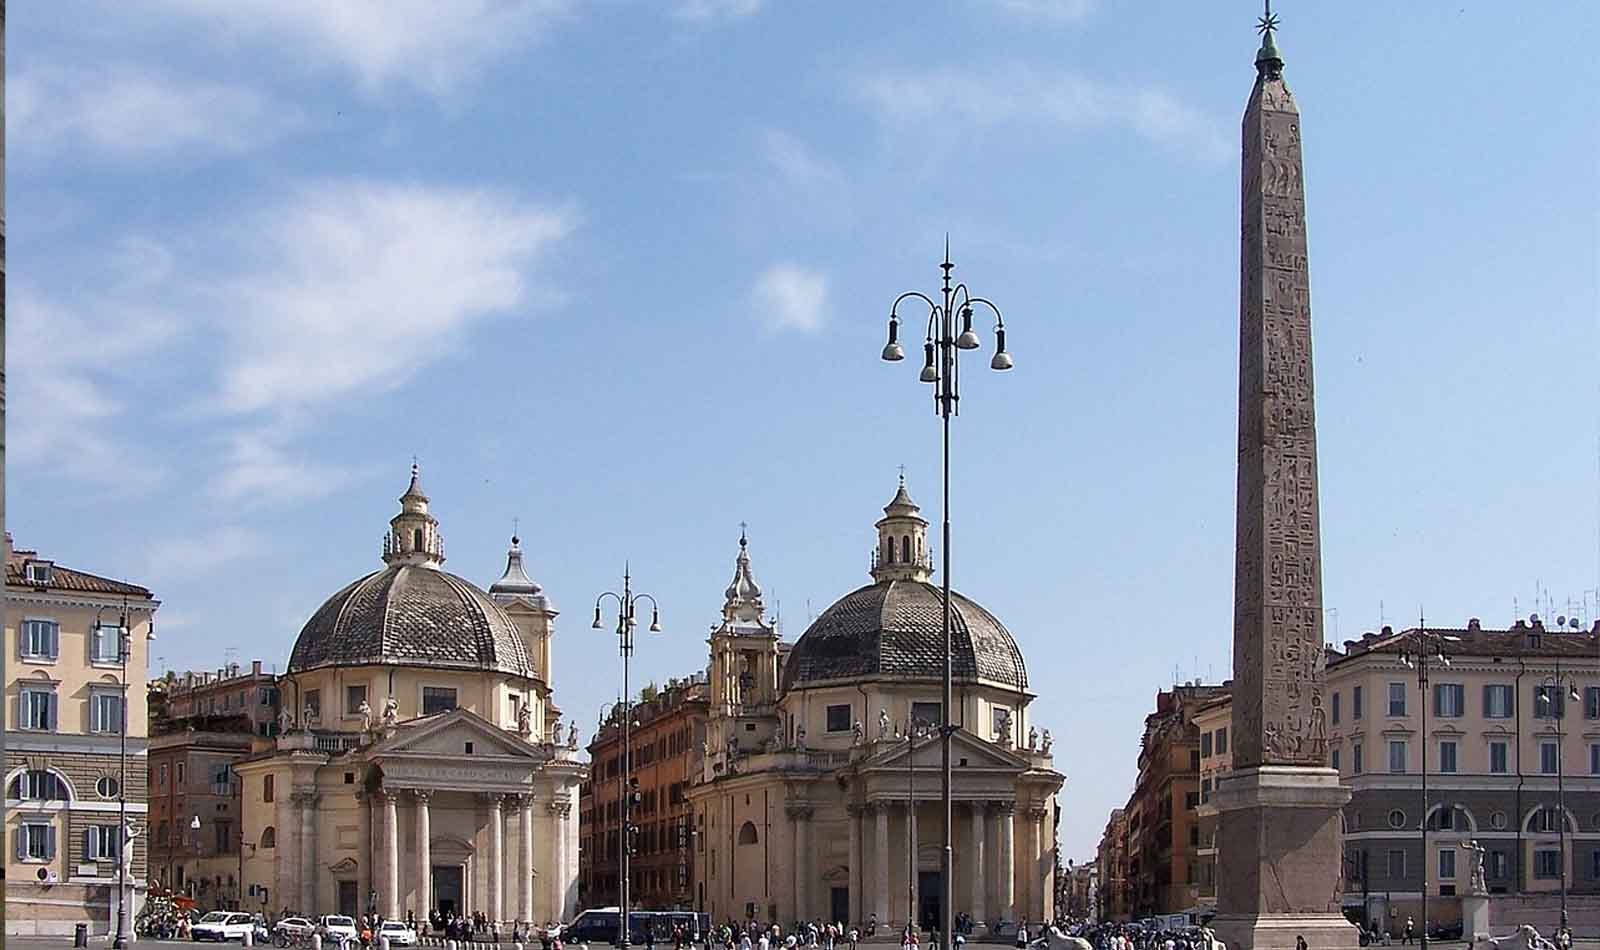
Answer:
[(599, 925)]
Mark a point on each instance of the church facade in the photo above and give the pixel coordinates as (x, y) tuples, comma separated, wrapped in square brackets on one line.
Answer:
[(420, 763), (819, 795)]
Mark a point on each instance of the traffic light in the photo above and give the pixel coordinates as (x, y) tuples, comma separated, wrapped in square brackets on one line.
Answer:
[(631, 833), (635, 797)]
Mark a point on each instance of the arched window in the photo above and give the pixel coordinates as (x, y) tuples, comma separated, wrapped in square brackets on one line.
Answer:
[(269, 837), (747, 833), (416, 540), (38, 785), (905, 548), (888, 550)]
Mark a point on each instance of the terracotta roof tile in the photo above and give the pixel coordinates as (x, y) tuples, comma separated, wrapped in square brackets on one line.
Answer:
[(67, 579)]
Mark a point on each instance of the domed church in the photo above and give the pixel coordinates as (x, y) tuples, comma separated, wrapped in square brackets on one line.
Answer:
[(820, 791), (419, 762)]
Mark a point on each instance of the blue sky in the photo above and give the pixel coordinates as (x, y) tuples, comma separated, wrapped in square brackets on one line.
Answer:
[(621, 269)]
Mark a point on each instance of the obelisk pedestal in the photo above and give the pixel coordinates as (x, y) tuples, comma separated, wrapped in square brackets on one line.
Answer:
[(1278, 837)]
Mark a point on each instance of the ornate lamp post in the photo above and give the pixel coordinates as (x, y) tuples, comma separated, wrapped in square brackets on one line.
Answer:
[(1425, 649), (627, 614), (124, 833), (941, 350), (1549, 689)]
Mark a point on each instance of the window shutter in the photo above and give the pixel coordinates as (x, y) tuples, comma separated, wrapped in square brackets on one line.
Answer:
[(50, 842), (50, 717), (88, 844), (22, 842)]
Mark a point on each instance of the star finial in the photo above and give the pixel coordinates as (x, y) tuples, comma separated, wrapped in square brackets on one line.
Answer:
[(1268, 21)]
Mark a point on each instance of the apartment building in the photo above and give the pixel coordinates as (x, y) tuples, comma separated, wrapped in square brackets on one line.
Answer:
[(74, 641), (669, 728), (1112, 898), (1214, 721), (200, 725)]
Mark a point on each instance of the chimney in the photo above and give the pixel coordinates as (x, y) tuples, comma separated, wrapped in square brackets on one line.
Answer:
[(255, 667), (1387, 631), (1474, 625), (1350, 646)]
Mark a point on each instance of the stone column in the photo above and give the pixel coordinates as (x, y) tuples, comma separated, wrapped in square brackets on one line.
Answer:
[(288, 883), (525, 861), (391, 854), (497, 858), (801, 816), (880, 865), (424, 853), (980, 833), (307, 801), (364, 849), (853, 817), (559, 812), (1006, 880), (1038, 872)]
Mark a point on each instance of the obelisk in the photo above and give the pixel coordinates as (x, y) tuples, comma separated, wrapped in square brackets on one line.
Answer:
[(1278, 840)]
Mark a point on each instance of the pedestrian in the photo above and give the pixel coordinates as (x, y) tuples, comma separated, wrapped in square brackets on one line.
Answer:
[(1300, 942), (1411, 926), (1022, 934)]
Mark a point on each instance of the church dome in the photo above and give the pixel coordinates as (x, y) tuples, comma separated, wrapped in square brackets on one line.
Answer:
[(412, 612), (895, 627)]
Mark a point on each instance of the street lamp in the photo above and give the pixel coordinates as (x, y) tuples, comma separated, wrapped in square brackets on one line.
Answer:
[(941, 351), (124, 836), (1424, 649), (627, 619), (1549, 688)]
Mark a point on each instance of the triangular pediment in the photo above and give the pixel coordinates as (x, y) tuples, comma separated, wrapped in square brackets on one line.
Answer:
[(963, 745), (447, 734)]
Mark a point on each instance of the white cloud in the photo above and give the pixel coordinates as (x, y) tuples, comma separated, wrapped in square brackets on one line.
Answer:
[(74, 365), (790, 297), (202, 553), (707, 10), (360, 285), (1066, 11), (132, 112), (430, 45), (796, 162), (260, 468), (1020, 94)]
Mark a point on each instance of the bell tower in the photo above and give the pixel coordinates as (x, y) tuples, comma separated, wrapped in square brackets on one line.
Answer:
[(414, 536), (743, 674), (902, 553)]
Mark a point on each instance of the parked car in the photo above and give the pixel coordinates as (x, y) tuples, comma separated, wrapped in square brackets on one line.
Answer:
[(398, 933), (338, 929), (221, 925), (293, 930)]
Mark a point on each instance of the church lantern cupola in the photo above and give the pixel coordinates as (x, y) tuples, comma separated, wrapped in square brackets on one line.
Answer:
[(902, 553), (414, 536)]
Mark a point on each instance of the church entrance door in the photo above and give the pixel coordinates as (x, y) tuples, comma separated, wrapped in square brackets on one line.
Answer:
[(929, 889), (839, 903), (447, 889), (349, 899)]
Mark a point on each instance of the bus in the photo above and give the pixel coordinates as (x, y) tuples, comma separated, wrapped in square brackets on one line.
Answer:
[(598, 925)]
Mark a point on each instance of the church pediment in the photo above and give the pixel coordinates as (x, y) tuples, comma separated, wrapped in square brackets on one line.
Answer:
[(450, 734), (963, 745)]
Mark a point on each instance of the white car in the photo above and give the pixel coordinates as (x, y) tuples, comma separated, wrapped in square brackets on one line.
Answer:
[(337, 929), (223, 925), (398, 933), (290, 929)]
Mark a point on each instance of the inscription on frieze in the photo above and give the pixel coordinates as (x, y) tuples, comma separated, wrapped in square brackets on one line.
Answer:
[(1278, 711)]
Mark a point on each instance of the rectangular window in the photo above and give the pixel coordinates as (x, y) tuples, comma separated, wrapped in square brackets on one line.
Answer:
[(1497, 758), (1205, 745), (105, 712), (1447, 756), (100, 843), (354, 696), (163, 774), (1358, 705), (1449, 700), (1335, 760), (839, 718), (1205, 790), (221, 780), (1191, 800), (1222, 741), (105, 644), (1549, 702), (1397, 699), (1357, 765), (927, 713), (1547, 864), (1548, 758), (1335, 710), (38, 709), (1591, 702), (1397, 755), (1498, 701), (267, 782), (1594, 758), (438, 699), (36, 841), (1447, 864), (41, 639), (1397, 865), (1496, 866), (39, 572), (180, 774)]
